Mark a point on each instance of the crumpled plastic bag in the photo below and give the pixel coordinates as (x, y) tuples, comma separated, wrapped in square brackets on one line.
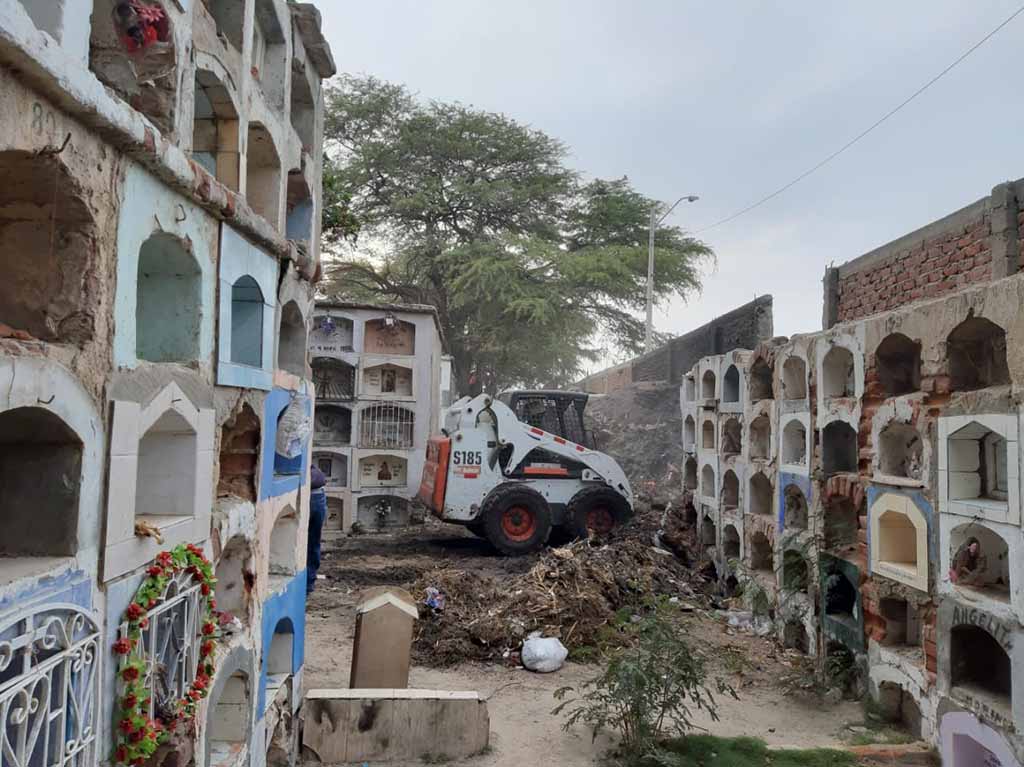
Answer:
[(294, 427), (543, 654)]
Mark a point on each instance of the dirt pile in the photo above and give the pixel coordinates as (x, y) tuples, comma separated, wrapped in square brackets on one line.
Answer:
[(576, 593), (641, 427)]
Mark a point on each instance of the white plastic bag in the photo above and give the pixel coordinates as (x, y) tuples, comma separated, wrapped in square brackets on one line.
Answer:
[(543, 655)]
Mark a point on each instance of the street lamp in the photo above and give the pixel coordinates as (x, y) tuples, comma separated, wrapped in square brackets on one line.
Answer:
[(655, 221)]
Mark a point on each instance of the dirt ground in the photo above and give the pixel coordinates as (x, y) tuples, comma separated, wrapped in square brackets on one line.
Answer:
[(523, 731)]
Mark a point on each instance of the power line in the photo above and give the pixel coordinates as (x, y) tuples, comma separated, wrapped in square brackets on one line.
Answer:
[(868, 130)]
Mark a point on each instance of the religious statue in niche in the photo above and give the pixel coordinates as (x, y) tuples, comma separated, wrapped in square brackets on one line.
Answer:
[(968, 563), (384, 473), (331, 334), (388, 381)]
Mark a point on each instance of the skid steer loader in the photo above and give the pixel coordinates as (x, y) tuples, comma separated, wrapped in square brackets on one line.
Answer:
[(514, 483)]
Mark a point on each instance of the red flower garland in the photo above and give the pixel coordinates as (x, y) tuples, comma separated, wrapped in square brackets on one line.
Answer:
[(137, 735)]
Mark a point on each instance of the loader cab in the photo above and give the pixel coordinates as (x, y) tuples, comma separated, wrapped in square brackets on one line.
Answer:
[(556, 412)]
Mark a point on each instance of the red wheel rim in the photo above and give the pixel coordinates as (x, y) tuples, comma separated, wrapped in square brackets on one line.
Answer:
[(600, 520), (518, 523)]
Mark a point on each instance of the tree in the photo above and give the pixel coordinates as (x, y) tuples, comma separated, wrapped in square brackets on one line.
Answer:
[(478, 216)]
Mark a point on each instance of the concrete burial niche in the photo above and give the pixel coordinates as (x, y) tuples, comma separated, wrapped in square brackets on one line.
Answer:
[(383, 639), (333, 379), (383, 471), (732, 437), (689, 389), (839, 448), (689, 433), (976, 349), (978, 467), (690, 474), (898, 365), (761, 555), (967, 742), (236, 578), (838, 381), (239, 455), (386, 426), (841, 522), (843, 616), (215, 127), (794, 379), (901, 452), (988, 573), (387, 380), (761, 376), (381, 511), (331, 335), (898, 539), (731, 542), (730, 490), (760, 438), (707, 432), (731, 385), (708, 532), (334, 466), (708, 385), (389, 335), (794, 508), (264, 181), (794, 447), (760, 496), (168, 307), (230, 710), (707, 482), (291, 340)]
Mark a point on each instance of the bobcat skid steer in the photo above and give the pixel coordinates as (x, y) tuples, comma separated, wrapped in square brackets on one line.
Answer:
[(514, 483)]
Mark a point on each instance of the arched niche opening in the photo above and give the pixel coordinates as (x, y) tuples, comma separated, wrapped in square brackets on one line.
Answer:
[(332, 426), (236, 579), (794, 443), (331, 334), (229, 16), (707, 481), (795, 637), (707, 434), (386, 427), (707, 385), (841, 522), (731, 385), (761, 437), (761, 381), (689, 433), (898, 365), (979, 560), (279, 657), (795, 572), (761, 556), (383, 471), (299, 216), (708, 533), (795, 515), (690, 474), (291, 345), (333, 379), (334, 468), (839, 452), (731, 542), (900, 451), (393, 380), (897, 542), (840, 598), (263, 174), (902, 623), (269, 54), (227, 727), (976, 349), (168, 304), (838, 374), (977, 466), (303, 111), (239, 455), (760, 494), (215, 129), (40, 478), (730, 490), (898, 707), (390, 335), (732, 437), (48, 250), (284, 538), (690, 389), (166, 476), (794, 379), (980, 666), (247, 307)]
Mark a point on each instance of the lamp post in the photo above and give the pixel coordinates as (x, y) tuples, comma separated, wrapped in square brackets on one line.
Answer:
[(655, 221)]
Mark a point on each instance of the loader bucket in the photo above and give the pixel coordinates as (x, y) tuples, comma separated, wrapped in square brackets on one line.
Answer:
[(435, 474)]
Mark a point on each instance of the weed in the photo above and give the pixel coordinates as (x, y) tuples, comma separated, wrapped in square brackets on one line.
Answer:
[(711, 751)]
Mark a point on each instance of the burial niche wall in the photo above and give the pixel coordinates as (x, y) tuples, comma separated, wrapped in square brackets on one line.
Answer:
[(900, 451), (689, 433), (389, 335), (732, 437), (795, 512), (707, 432), (838, 373), (263, 174), (283, 541), (690, 474), (731, 385), (839, 448), (794, 379), (707, 385), (239, 455), (760, 494), (761, 381), (980, 667), (979, 559), (976, 349), (707, 481), (215, 129), (731, 542), (730, 490), (760, 437), (794, 443), (761, 557), (898, 365), (291, 345), (168, 305), (236, 578)]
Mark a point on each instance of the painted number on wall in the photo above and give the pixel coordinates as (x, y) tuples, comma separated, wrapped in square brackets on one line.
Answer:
[(467, 457), (43, 120)]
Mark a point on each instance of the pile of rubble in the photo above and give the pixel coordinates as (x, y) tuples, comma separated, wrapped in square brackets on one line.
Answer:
[(576, 593)]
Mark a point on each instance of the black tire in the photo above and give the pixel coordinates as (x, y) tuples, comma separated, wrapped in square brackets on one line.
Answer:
[(598, 500), (562, 535), (477, 529), (516, 519)]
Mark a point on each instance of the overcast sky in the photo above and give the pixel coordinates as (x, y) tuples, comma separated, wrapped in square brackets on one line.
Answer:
[(730, 100)]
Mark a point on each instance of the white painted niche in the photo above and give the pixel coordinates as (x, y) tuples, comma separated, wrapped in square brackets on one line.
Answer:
[(899, 540), (978, 469)]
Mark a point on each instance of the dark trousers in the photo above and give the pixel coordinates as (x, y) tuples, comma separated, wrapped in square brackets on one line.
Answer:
[(317, 515)]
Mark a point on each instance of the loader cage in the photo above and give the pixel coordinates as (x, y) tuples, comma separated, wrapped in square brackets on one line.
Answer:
[(556, 412)]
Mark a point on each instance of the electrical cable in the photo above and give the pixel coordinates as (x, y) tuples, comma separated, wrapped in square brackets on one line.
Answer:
[(868, 130)]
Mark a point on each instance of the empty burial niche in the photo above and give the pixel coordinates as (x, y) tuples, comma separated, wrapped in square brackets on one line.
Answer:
[(839, 448), (235, 579), (299, 216), (977, 465), (731, 385), (279, 659), (689, 433), (760, 437), (794, 379), (837, 373), (168, 304), (263, 174), (897, 540), (47, 250), (690, 474), (841, 522), (795, 573), (794, 637), (707, 385), (707, 435), (731, 542), (707, 481), (898, 364), (796, 508), (269, 54), (980, 666), (334, 468), (332, 426), (977, 355), (247, 309), (900, 451), (730, 490), (230, 18), (333, 379), (303, 111), (708, 534), (215, 129), (690, 389), (902, 625), (40, 516), (228, 722), (291, 345), (840, 597), (283, 539), (794, 443), (761, 558), (899, 707), (165, 490), (761, 381), (239, 455), (732, 437), (760, 494), (979, 559)]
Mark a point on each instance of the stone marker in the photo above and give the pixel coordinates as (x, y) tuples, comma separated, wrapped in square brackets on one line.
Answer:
[(380, 653)]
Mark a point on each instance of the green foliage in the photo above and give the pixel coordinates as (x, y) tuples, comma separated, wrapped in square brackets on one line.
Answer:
[(648, 690), (478, 215), (710, 751)]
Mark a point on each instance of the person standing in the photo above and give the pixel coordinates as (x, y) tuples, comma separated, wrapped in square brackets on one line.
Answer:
[(317, 516)]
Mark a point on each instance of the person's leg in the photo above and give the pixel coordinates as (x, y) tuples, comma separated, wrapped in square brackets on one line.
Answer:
[(317, 516)]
